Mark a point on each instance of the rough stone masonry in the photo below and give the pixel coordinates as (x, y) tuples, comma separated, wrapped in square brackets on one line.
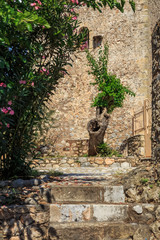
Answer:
[(130, 57)]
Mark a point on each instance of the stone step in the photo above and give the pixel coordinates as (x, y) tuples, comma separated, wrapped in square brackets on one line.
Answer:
[(89, 170), (63, 213), (86, 194), (85, 172), (98, 231)]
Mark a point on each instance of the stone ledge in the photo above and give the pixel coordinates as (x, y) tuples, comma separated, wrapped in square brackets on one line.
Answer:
[(54, 162)]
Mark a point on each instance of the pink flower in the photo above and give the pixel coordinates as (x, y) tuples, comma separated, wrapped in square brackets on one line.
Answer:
[(10, 103), (33, 4), (72, 9), (22, 82), (8, 125), (11, 112), (44, 70), (36, 7), (43, 57), (4, 110), (9, 109), (19, 10), (32, 84), (74, 18), (3, 85), (39, 2), (75, 1), (43, 26)]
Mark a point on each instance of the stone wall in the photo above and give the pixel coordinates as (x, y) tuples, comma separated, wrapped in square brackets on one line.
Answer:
[(76, 147), (154, 10), (24, 222), (52, 163), (155, 29), (128, 36), (134, 146), (156, 93)]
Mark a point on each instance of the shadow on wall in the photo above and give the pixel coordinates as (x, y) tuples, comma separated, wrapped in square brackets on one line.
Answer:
[(24, 222), (134, 146)]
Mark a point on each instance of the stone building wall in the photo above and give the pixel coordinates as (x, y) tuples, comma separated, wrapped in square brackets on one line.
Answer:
[(128, 37), (156, 93), (154, 9)]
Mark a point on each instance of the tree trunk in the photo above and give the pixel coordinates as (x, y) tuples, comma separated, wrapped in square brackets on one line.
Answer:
[(96, 128)]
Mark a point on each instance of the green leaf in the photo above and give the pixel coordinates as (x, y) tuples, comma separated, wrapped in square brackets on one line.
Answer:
[(29, 27)]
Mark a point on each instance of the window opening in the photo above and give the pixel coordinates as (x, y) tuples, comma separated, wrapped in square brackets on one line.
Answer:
[(97, 41)]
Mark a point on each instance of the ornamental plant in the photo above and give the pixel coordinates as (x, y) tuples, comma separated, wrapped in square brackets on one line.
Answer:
[(111, 95), (37, 39), (111, 92)]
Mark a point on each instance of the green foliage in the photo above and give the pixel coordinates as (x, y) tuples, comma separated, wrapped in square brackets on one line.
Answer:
[(111, 91), (106, 151), (144, 180), (85, 155), (36, 43)]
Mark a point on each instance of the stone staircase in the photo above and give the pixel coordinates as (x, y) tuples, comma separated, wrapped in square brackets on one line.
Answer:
[(77, 211), (97, 212), (94, 213)]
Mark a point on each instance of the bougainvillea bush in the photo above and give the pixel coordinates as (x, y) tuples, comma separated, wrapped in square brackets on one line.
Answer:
[(37, 39)]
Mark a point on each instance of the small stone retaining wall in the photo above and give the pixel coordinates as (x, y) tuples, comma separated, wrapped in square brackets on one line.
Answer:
[(76, 147), (56, 162)]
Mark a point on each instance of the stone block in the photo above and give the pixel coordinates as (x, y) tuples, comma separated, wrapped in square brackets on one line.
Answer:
[(119, 231), (55, 166), (109, 161), (138, 209), (114, 194), (64, 165), (49, 165), (70, 161), (125, 165), (155, 229), (55, 214), (70, 213), (110, 212), (158, 213), (143, 232), (99, 161), (116, 165), (76, 194)]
